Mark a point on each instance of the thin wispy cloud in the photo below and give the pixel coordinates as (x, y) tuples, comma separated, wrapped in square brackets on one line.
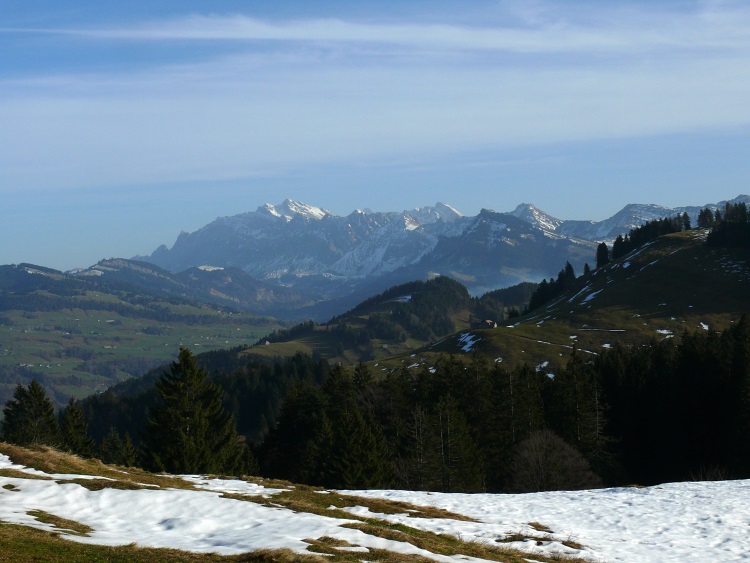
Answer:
[(384, 106), (552, 29), (336, 91)]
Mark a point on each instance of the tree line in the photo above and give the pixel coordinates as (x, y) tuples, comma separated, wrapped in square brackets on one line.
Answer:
[(730, 229), (660, 412)]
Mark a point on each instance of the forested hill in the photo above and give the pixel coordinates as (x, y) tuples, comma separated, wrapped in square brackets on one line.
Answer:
[(397, 322), (77, 334), (669, 285), (606, 379)]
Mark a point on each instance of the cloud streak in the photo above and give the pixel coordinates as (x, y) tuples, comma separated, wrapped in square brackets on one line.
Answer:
[(611, 28), (332, 91)]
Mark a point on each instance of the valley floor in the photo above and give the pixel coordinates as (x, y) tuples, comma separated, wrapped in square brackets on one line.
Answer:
[(699, 521)]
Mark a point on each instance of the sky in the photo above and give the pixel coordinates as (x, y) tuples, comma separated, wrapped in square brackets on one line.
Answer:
[(124, 123)]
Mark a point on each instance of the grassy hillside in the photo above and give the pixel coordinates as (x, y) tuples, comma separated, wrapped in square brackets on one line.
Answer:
[(395, 323), (77, 340), (673, 284)]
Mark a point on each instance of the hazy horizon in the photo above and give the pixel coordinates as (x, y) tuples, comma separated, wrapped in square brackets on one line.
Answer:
[(126, 124)]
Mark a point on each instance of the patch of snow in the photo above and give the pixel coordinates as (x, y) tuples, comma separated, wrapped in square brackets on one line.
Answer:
[(235, 486), (92, 272), (704, 326), (703, 521), (467, 341), (209, 268), (197, 521), (591, 296)]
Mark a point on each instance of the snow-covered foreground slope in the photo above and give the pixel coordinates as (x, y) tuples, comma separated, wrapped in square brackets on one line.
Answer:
[(707, 521), (704, 521)]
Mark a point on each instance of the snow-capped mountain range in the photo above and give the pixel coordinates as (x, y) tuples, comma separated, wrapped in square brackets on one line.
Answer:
[(309, 248)]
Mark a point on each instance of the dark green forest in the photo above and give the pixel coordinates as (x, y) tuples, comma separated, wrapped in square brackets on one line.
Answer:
[(661, 412), (669, 410)]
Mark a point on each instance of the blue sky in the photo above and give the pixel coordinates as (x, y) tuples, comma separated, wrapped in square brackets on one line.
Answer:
[(122, 124)]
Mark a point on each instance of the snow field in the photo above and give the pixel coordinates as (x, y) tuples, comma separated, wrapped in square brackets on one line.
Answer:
[(703, 521), (680, 522)]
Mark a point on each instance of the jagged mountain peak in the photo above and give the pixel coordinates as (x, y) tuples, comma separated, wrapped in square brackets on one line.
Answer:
[(432, 214), (288, 209), (535, 216)]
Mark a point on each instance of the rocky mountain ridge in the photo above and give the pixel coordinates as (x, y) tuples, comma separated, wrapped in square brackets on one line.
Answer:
[(307, 248)]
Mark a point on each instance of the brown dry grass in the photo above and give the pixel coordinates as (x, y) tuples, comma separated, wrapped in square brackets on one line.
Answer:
[(318, 501), (99, 484), (20, 544), (22, 541), (540, 527), (61, 524), (330, 547), (50, 460), (18, 474), (444, 544)]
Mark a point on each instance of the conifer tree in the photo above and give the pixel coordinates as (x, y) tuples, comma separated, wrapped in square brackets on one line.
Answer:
[(602, 255), (350, 450), (75, 430), (129, 455), (705, 218), (460, 463), (189, 431), (288, 447), (111, 448), (30, 417)]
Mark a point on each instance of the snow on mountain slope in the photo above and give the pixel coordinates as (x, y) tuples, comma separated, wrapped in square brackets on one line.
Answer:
[(296, 244), (299, 240), (425, 215), (289, 209), (705, 521), (634, 215), (536, 217)]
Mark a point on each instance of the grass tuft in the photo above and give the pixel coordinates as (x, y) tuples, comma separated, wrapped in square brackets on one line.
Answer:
[(304, 498), (21, 544), (18, 474), (540, 527), (61, 524)]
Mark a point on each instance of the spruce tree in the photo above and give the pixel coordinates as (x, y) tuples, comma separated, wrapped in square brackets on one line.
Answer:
[(30, 417), (111, 448), (350, 451), (75, 430), (189, 431), (602, 255), (460, 466), (129, 455)]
